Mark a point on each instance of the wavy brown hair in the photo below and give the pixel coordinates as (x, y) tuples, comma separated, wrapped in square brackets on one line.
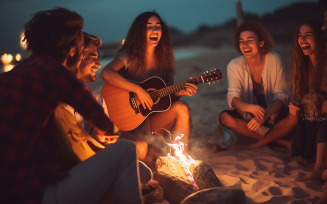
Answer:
[(302, 67), (136, 43), (53, 32), (260, 32)]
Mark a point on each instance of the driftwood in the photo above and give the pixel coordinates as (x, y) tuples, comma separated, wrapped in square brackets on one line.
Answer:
[(218, 195), (175, 183)]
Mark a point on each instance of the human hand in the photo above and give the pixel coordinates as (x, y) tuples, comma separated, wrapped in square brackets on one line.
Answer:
[(144, 98), (257, 111), (107, 139), (254, 124), (189, 89), (293, 109)]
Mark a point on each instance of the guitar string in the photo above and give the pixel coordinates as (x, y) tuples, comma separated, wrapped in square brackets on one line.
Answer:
[(171, 89)]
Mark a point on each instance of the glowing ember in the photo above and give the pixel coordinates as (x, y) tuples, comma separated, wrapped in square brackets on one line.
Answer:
[(185, 160)]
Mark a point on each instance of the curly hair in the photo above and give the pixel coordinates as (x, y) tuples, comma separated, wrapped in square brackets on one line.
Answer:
[(135, 45), (88, 38), (53, 32), (260, 32), (301, 66)]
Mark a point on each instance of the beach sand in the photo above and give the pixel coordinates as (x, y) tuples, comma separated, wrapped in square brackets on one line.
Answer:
[(263, 174)]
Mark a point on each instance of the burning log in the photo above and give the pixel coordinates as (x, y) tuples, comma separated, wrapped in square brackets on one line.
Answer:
[(175, 182)]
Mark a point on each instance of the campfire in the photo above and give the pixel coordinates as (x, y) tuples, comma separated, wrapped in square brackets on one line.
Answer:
[(179, 175)]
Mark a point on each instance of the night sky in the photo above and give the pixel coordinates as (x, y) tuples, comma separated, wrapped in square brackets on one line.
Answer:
[(110, 19)]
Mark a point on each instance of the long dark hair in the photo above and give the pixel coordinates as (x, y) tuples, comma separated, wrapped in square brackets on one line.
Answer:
[(53, 32), (301, 66), (136, 43)]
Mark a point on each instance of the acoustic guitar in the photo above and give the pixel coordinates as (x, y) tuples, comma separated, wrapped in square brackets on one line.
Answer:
[(125, 110)]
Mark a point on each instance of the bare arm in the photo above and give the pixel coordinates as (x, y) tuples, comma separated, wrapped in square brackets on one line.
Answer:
[(110, 75), (275, 107), (256, 110)]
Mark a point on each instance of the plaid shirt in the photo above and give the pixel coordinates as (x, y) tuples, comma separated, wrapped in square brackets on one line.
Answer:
[(28, 96)]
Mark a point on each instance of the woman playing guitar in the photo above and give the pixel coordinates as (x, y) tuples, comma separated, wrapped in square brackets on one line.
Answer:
[(146, 52)]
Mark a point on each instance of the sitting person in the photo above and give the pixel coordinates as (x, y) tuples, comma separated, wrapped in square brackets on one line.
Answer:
[(309, 83), (78, 135), (146, 52), (31, 171), (257, 89), (306, 112)]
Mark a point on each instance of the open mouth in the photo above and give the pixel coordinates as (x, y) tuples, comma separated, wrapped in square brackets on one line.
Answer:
[(306, 47), (246, 51), (154, 38), (94, 69)]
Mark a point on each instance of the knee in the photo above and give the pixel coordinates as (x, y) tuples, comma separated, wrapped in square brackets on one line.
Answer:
[(125, 146), (182, 109), (226, 119), (142, 149)]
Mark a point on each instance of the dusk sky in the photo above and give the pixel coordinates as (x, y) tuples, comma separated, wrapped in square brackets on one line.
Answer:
[(110, 19)]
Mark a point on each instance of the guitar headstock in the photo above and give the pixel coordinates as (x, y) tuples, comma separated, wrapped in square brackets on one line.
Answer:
[(212, 76)]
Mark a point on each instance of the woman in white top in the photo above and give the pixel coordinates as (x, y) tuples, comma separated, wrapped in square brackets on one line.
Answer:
[(257, 88)]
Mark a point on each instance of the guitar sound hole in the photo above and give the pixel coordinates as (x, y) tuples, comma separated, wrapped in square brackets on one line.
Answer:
[(154, 95)]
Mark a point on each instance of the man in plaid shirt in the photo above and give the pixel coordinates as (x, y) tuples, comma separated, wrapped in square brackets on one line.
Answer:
[(30, 171)]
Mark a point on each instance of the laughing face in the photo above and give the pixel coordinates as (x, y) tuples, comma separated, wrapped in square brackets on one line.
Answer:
[(306, 40), (154, 31), (90, 64), (249, 44)]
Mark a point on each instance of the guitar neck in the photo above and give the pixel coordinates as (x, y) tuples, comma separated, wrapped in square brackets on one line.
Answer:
[(178, 87)]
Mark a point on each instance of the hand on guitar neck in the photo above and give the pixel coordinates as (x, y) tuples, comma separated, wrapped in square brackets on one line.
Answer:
[(126, 109)]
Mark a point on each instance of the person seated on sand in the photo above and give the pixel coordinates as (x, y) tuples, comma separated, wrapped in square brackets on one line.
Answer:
[(257, 89), (146, 52), (308, 110), (84, 141)]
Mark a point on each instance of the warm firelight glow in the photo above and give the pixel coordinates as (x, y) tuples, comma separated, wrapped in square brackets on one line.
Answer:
[(6, 60), (22, 43), (18, 57), (185, 160)]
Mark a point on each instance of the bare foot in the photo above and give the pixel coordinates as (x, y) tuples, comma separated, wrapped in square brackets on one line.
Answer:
[(315, 174)]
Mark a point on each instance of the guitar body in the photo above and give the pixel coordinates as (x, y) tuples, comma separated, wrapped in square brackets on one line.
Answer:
[(126, 111)]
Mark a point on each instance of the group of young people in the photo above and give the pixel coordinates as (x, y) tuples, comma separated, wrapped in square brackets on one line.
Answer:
[(48, 112)]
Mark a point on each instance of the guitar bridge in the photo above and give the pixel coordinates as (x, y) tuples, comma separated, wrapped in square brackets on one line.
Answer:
[(133, 103)]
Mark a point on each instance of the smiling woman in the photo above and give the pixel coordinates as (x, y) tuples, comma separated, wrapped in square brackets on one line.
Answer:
[(146, 52)]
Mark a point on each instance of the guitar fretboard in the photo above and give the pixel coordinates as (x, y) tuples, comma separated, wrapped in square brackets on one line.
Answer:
[(178, 87)]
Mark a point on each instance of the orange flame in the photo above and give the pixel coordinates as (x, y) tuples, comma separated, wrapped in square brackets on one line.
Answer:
[(185, 160)]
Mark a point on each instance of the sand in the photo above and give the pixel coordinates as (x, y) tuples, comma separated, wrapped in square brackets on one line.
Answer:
[(263, 174)]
